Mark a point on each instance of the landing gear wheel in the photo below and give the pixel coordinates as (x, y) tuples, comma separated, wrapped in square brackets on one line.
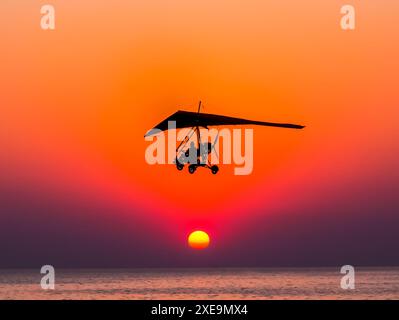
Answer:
[(192, 168), (215, 169), (179, 166)]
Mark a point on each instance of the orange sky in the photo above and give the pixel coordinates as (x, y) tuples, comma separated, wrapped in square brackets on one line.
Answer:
[(76, 102)]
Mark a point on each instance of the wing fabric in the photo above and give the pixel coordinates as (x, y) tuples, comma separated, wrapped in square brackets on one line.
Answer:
[(187, 119)]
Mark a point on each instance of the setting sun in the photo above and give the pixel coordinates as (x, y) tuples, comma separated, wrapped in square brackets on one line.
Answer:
[(198, 240)]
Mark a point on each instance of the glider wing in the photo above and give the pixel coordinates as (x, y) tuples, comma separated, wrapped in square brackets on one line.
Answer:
[(187, 119)]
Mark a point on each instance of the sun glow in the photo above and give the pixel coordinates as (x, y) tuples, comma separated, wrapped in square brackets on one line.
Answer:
[(198, 240)]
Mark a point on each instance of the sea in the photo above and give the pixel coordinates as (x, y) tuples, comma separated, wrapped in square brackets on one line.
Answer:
[(215, 283)]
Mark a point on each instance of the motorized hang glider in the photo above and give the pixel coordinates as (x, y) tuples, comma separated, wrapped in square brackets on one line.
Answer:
[(197, 120)]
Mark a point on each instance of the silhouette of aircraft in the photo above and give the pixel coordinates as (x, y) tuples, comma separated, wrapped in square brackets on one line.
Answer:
[(197, 120)]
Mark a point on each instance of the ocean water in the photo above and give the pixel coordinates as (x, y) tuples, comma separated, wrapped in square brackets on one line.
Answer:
[(324, 283)]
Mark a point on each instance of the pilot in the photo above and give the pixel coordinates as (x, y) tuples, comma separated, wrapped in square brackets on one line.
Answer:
[(191, 153)]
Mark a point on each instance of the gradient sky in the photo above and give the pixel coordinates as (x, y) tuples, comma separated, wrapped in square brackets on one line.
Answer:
[(75, 103)]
